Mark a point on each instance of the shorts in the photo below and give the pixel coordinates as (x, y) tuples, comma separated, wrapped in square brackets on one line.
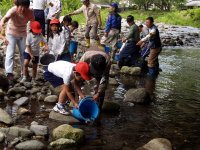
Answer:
[(27, 56), (53, 79)]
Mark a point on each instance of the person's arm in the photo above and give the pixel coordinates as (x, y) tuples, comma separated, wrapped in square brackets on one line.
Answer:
[(78, 11), (108, 25), (78, 88), (152, 33), (30, 52), (6, 18), (59, 8), (69, 95)]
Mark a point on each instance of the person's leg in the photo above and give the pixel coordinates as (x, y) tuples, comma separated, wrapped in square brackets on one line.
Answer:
[(10, 54), (40, 17), (21, 43), (87, 36), (94, 34), (27, 59), (101, 100)]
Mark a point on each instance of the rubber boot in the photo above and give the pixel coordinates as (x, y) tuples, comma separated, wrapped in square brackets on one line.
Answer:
[(152, 72), (87, 43)]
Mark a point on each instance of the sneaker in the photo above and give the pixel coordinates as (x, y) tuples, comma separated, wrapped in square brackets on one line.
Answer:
[(60, 110)]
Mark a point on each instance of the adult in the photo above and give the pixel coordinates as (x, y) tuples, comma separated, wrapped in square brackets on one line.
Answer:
[(38, 9), (155, 47), (93, 20)]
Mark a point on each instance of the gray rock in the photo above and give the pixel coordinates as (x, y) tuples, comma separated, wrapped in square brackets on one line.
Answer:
[(17, 131), (130, 70), (22, 101), (110, 106), (27, 85), (34, 123), (30, 145), (16, 90), (137, 96), (51, 99), (113, 81), (22, 111), (157, 144), (17, 96), (34, 90), (41, 97), (62, 144), (39, 130), (2, 137), (15, 142), (59, 117), (5, 117), (68, 132)]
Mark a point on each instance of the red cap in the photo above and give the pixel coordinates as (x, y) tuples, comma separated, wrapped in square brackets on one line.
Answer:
[(54, 21), (35, 27), (83, 69)]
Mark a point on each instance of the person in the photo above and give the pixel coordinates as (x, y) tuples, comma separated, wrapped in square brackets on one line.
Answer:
[(113, 28), (54, 11), (5, 41), (66, 75), (38, 9), (99, 63), (17, 18), (129, 54), (155, 47), (74, 25), (93, 20), (57, 41), (32, 51)]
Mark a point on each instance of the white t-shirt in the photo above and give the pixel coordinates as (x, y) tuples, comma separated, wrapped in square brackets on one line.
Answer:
[(56, 8), (34, 41), (62, 69), (39, 4)]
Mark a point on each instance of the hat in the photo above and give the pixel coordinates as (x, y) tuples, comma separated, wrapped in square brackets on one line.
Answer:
[(97, 65), (54, 21), (83, 69), (36, 27), (115, 5)]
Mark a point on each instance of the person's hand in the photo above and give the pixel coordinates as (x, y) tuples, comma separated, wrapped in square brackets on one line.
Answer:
[(106, 34), (123, 40), (96, 97), (5, 41), (76, 105), (45, 49), (139, 43), (32, 57)]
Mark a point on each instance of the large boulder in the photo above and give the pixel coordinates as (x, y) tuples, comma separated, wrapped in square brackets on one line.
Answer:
[(110, 106), (68, 132), (2, 137), (157, 144), (30, 145), (40, 130), (51, 99), (140, 96), (63, 144), (5, 117), (130, 70), (22, 101)]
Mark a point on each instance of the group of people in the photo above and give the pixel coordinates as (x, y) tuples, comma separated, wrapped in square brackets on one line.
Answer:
[(95, 63)]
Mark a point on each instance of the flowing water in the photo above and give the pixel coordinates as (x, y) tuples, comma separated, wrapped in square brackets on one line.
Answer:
[(173, 114)]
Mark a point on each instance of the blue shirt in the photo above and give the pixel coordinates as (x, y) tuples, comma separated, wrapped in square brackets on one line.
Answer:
[(113, 21)]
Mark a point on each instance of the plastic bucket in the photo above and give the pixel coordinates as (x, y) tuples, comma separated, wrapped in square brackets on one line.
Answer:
[(46, 59), (117, 57), (119, 44), (107, 49), (73, 45), (88, 110)]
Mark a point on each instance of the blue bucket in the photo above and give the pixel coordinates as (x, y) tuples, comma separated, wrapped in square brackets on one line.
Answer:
[(117, 57), (107, 49), (88, 110), (119, 44), (73, 45)]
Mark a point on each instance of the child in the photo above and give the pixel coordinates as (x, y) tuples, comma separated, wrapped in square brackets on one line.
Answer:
[(67, 74), (32, 51), (57, 41), (113, 28), (74, 25), (17, 18)]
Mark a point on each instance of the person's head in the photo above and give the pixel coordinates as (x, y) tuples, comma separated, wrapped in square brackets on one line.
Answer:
[(55, 27), (81, 71), (97, 65), (86, 2), (149, 22), (141, 27), (113, 8), (130, 20), (22, 5), (74, 25), (67, 20), (35, 27)]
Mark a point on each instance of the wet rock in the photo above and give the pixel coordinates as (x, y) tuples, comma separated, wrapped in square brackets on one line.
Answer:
[(109, 106), (5, 117), (2, 137), (68, 132), (22, 101), (34, 90), (3, 82), (17, 131), (59, 117), (157, 144), (57, 90), (51, 99), (15, 142), (28, 85), (41, 97), (16, 90), (130, 70), (137, 96), (39, 130), (113, 81), (30, 145), (62, 144), (23, 111)]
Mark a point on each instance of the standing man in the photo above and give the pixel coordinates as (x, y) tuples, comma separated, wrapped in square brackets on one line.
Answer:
[(154, 45), (93, 20), (38, 9)]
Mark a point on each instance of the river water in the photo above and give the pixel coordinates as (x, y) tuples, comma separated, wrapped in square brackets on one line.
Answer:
[(173, 114)]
